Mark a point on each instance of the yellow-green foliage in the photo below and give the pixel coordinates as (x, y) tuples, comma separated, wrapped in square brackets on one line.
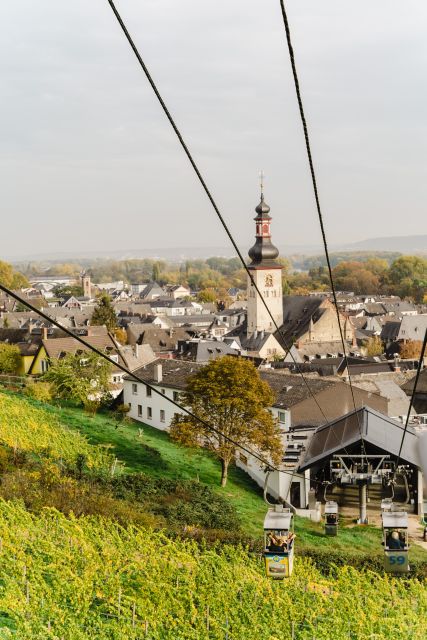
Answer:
[(24, 427), (89, 578)]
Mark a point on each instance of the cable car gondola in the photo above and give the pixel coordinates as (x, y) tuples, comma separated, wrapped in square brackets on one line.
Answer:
[(395, 540), (331, 518), (278, 542)]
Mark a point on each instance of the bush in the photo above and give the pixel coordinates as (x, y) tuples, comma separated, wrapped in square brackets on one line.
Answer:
[(44, 486), (180, 502), (41, 391)]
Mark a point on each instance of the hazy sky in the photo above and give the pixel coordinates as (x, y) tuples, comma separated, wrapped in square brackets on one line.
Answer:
[(89, 162)]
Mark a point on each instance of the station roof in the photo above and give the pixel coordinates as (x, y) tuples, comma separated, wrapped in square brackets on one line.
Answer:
[(376, 429)]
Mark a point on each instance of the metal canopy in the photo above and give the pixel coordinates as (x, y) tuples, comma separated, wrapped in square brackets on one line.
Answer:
[(277, 521), (395, 519), (377, 429)]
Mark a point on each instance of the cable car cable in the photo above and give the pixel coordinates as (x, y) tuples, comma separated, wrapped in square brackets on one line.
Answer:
[(217, 211), (317, 200), (417, 376), (103, 355)]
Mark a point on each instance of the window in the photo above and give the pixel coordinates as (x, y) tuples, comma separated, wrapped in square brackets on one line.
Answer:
[(176, 396), (140, 410), (282, 416), (44, 365), (162, 415), (243, 458), (163, 391), (134, 388), (148, 392), (149, 413)]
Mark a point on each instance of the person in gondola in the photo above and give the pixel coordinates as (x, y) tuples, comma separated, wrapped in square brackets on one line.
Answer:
[(290, 539), (275, 543), (394, 541)]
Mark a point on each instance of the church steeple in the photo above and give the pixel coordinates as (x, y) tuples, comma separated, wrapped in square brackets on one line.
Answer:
[(267, 274), (263, 252)]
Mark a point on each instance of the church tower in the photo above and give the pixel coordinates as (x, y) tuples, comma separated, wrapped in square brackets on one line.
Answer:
[(86, 284), (267, 274)]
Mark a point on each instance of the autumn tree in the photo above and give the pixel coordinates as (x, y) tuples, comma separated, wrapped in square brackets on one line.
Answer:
[(121, 335), (10, 278), (230, 396), (411, 349), (83, 377), (104, 313), (10, 358), (355, 276)]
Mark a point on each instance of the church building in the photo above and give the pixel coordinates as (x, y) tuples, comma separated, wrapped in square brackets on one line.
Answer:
[(308, 323), (267, 275)]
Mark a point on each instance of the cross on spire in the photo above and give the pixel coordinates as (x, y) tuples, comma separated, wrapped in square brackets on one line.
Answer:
[(261, 182)]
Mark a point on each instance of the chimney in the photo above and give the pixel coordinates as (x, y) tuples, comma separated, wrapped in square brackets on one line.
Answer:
[(158, 372), (44, 333), (137, 350)]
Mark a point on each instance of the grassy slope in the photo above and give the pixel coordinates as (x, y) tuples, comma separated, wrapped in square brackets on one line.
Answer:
[(162, 458), (174, 461)]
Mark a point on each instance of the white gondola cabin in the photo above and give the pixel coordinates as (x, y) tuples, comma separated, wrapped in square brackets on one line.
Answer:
[(395, 540), (278, 542), (331, 518)]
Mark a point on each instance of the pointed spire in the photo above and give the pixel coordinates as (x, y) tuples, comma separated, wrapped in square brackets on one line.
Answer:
[(262, 209), (263, 251)]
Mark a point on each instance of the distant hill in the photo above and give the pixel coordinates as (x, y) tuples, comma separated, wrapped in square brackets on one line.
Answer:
[(402, 244)]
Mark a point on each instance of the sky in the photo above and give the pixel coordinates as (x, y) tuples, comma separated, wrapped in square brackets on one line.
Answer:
[(88, 161)]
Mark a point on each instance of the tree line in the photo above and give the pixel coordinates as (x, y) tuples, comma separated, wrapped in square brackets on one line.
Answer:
[(405, 276)]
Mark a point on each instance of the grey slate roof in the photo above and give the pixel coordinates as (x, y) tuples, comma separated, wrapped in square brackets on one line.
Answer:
[(291, 389), (206, 350), (175, 373), (412, 328), (161, 340), (297, 313), (421, 386), (288, 389), (390, 331)]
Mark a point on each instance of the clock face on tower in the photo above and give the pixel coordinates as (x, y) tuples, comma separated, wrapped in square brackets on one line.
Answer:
[(268, 280)]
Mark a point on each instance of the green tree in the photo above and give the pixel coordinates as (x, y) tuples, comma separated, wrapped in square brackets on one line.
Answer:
[(67, 290), (207, 295), (155, 275), (229, 394), (83, 377), (408, 277), (10, 358), (104, 313), (373, 346)]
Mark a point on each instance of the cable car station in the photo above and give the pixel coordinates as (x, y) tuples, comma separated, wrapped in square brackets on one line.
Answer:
[(355, 459)]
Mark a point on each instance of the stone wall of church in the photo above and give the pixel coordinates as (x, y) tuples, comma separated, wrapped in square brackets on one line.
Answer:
[(326, 329), (269, 283)]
